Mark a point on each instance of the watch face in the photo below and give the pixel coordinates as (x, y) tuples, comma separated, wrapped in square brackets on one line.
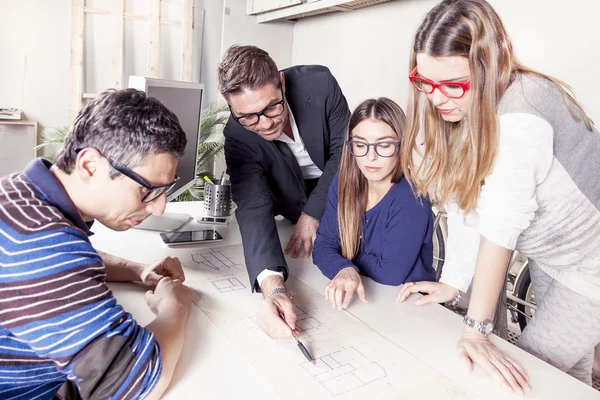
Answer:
[(485, 327), (488, 328)]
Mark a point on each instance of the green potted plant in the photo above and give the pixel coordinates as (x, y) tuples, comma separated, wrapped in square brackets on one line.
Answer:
[(212, 143)]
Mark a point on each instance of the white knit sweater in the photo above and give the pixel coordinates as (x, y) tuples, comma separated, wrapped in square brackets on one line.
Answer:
[(542, 197)]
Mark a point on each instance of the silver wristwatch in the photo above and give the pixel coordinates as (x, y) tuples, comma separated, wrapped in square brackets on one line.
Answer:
[(485, 327), (278, 290)]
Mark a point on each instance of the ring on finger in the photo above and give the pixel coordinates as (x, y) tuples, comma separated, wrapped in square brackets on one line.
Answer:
[(507, 364)]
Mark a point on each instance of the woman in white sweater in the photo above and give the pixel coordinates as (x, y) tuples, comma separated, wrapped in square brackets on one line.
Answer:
[(514, 159)]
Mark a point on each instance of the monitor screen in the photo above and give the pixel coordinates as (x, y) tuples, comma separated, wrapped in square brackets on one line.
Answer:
[(185, 100)]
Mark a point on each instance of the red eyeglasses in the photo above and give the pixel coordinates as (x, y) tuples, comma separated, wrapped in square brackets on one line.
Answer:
[(454, 90)]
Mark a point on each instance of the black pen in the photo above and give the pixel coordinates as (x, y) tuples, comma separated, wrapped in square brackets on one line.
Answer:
[(300, 345), (303, 349)]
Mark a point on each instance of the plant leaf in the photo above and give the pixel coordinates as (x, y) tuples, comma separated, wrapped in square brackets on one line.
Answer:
[(53, 136)]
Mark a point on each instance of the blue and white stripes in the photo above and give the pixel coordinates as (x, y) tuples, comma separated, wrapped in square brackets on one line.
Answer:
[(58, 318)]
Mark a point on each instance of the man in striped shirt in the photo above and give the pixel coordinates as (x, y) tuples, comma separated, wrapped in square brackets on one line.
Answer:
[(59, 323)]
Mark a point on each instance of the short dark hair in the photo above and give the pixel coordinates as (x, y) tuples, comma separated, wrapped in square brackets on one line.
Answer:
[(125, 125), (246, 67)]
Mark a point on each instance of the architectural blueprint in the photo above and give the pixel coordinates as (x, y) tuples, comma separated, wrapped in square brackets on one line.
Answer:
[(352, 360)]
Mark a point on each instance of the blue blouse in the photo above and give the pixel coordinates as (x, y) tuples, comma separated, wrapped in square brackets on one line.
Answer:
[(397, 239)]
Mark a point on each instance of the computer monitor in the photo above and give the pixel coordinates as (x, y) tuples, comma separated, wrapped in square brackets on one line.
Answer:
[(185, 100)]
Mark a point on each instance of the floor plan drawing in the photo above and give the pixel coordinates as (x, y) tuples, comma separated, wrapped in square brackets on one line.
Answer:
[(345, 370), (226, 285), (309, 323), (246, 327), (352, 361), (215, 259)]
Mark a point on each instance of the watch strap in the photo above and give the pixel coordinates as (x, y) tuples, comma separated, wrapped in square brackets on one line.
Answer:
[(278, 290), (483, 327)]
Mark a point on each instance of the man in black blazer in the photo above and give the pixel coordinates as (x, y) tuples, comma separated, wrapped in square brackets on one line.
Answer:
[(283, 143)]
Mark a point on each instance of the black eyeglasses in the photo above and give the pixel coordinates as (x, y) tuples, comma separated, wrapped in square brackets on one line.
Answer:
[(383, 149), (153, 193), (272, 111)]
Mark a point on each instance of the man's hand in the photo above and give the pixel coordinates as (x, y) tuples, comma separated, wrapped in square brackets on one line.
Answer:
[(346, 281), (169, 296), (168, 267), (303, 237), (476, 348), (277, 314), (437, 292)]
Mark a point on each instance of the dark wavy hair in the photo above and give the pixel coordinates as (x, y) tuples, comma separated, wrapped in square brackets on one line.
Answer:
[(246, 67), (125, 125)]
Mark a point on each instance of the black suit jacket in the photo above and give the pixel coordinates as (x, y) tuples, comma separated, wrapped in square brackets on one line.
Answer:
[(265, 176)]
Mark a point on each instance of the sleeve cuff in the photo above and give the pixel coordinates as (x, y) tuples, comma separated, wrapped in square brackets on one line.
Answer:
[(266, 273), (311, 217), (461, 283), (340, 267), (508, 240)]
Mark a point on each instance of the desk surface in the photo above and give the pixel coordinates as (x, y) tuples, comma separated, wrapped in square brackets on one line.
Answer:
[(212, 366)]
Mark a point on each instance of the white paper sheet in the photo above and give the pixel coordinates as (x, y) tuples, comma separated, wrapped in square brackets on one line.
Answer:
[(352, 360)]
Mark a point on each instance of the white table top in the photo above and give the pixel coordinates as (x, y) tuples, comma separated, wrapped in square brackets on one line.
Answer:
[(212, 366)]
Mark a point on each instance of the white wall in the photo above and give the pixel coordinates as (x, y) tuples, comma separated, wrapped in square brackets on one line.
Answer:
[(35, 49), (238, 28), (35, 52), (276, 37), (211, 48), (225, 24), (34, 58), (368, 49)]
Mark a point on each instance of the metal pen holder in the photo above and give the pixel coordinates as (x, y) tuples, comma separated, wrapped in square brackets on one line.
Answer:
[(217, 200)]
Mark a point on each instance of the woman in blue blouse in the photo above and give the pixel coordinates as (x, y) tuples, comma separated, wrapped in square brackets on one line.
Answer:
[(373, 225)]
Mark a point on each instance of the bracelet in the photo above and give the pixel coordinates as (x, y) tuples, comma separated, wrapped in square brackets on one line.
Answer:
[(278, 290), (456, 299)]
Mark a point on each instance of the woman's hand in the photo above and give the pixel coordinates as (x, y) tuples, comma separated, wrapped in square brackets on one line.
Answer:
[(477, 348), (437, 292), (340, 290)]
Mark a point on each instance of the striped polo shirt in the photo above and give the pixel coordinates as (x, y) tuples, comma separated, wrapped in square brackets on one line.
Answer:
[(58, 318)]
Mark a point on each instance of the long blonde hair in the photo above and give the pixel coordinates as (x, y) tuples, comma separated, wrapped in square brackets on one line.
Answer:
[(459, 155), (352, 187)]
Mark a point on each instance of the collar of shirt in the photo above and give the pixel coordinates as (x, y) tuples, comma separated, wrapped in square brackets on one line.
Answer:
[(39, 175), (285, 138)]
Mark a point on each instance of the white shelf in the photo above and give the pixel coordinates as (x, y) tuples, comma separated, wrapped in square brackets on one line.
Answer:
[(315, 8)]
